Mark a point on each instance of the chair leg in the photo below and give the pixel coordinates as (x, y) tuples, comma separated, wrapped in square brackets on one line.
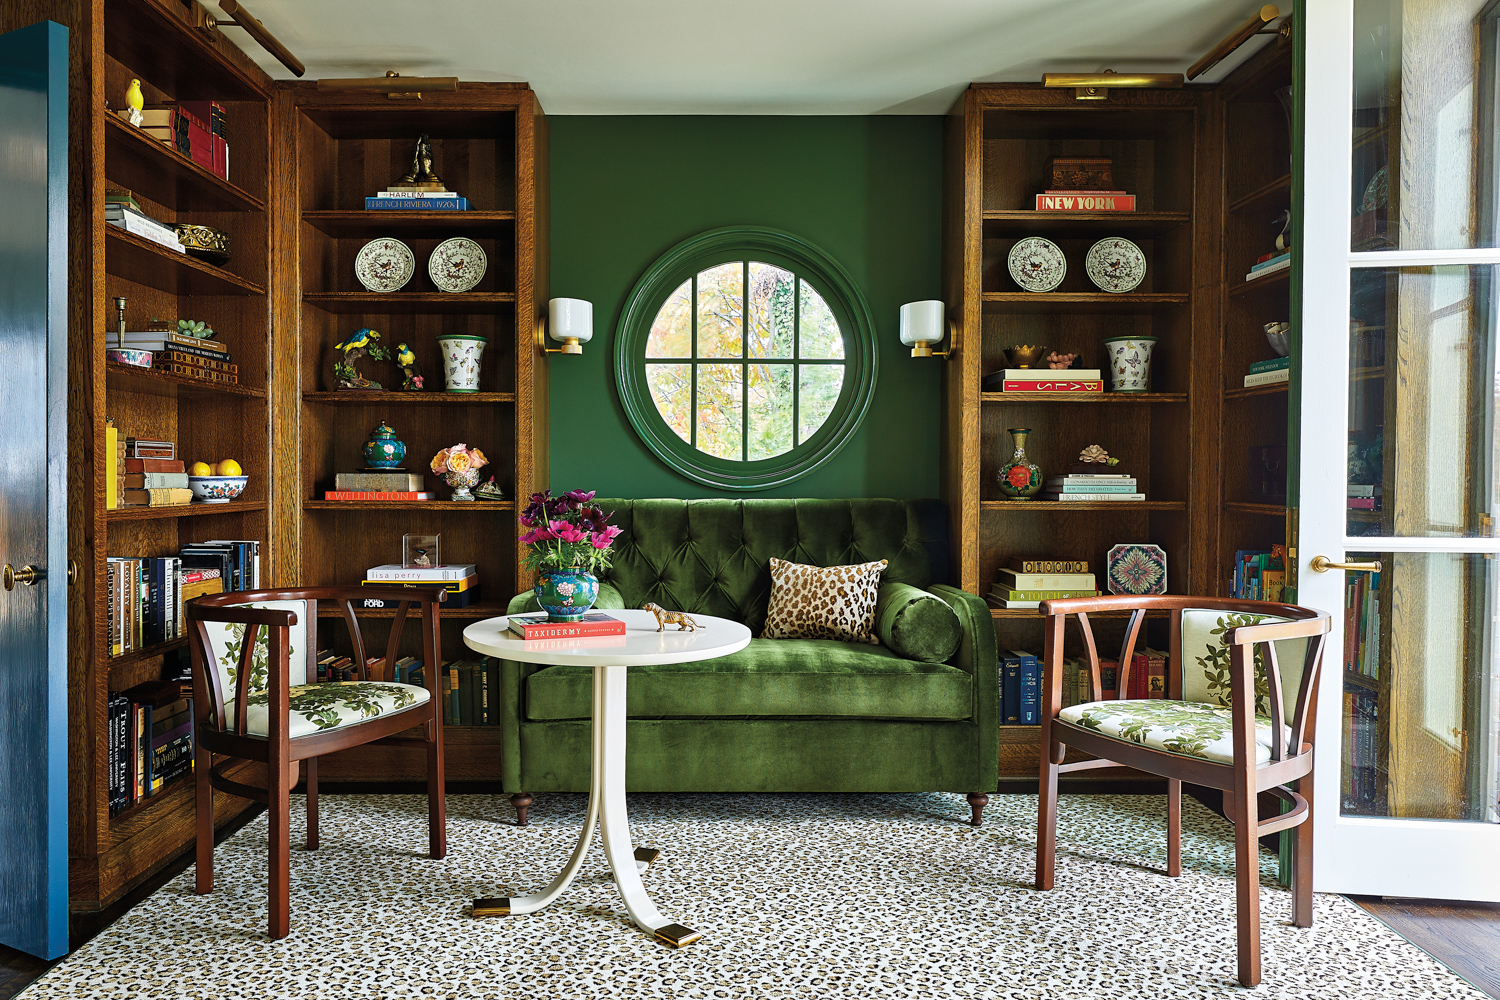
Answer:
[(1046, 822), (1247, 883), (1302, 861), (312, 803), (278, 810), (977, 802), (437, 791), (203, 804), (522, 801), (1174, 827)]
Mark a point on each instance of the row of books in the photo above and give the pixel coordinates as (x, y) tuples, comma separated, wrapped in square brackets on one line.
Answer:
[(200, 350), (1043, 380), (1269, 372), (1269, 264), (150, 735), (198, 130), (1016, 589), (1091, 488), (418, 201), (1362, 624), (471, 692), (459, 580), (145, 599), (1364, 496), (1362, 759), (1021, 677), (1259, 576)]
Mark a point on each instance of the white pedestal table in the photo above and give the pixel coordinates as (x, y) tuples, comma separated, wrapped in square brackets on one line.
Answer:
[(611, 657)]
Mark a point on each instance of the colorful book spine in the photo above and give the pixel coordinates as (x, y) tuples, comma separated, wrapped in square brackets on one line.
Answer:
[(1046, 581), (446, 573), (1091, 485), (453, 204), (372, 495), (1052, 385), (1268, 378), (1010, 685), (1089, 202), (1090, 497), (594, 624), (1029, 686), (1049, 565), (1275, 364)]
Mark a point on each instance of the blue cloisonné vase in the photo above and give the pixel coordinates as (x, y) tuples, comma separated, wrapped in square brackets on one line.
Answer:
[(566, 594)]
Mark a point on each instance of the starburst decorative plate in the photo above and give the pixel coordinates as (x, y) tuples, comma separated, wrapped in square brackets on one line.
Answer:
[(457, 265), (384, 265), (1137, 569)]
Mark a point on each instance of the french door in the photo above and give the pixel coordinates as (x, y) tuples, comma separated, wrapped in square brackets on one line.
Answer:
[(1398, 443)]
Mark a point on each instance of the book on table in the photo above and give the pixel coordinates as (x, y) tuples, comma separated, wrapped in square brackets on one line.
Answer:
[(538, 627), (1045, 581)]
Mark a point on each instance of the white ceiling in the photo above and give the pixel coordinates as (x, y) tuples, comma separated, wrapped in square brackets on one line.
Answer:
[(692, 57)]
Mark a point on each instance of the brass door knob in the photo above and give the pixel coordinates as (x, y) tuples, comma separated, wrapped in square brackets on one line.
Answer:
[(72, 572), (26, 575), (1322, 564)]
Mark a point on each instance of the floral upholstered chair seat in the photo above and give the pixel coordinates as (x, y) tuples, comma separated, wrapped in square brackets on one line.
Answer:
[(318, 708), (1193, 729)]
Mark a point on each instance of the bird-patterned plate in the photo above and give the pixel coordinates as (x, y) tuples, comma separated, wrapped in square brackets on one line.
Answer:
[(1115, 264), (457, 265), (1037, 264), (384, 265)]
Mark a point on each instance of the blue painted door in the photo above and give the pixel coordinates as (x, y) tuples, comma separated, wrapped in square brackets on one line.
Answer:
[(33, 484)]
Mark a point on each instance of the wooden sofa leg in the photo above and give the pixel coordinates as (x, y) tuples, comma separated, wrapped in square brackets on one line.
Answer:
[(977, 802), (522, 801)]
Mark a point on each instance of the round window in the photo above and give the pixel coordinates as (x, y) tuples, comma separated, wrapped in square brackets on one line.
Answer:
[(745, 358)]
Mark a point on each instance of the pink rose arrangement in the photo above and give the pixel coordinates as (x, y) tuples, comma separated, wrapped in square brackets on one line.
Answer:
[(567, 532)]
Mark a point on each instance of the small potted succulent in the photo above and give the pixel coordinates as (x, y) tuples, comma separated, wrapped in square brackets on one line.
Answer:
[(568, 541)]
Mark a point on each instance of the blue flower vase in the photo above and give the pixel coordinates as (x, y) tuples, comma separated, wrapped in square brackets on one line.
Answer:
[(566, 594)]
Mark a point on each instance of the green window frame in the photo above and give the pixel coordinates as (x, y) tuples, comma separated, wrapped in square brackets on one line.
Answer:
[(811, 267)]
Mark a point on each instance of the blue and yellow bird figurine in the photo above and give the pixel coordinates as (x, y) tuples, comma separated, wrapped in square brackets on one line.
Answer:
[(356, 346), (407, 359)]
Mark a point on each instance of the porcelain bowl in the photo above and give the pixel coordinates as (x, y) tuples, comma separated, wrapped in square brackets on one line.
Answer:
[(216, 489)]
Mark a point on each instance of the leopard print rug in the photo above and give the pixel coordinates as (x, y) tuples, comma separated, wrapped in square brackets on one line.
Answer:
[(797, 895)]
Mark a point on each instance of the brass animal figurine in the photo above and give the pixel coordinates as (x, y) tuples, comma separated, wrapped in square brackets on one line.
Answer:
[(665, 618)]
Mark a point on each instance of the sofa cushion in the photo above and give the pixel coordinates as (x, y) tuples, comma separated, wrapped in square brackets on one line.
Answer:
[(770, 678), (823, 602), (917, 624)]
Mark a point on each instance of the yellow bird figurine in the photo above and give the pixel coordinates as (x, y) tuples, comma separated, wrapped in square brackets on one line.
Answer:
[(407, 359), (134, 101)]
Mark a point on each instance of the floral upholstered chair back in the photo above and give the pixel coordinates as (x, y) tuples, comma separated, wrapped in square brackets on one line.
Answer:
[(1205, 661), (225, 639)]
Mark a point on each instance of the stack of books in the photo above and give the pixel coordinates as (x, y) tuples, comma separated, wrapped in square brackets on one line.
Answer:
[(179, 354), (150, 729), (460, 580), (335, 669), (122, 210), (1269, 372), (378, 485), (1020, 688), (471, 692), (150, 475), (1364, 497), (237, 561), (1044, 380), (417, 201), (1085, 201), (1025, 583), (1091, 488), (198, 130), (1269, 264), (538, 627), (144, 599)]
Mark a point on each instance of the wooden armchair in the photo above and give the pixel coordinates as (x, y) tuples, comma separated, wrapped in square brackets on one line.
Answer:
[(253, 700), (1210, 730)]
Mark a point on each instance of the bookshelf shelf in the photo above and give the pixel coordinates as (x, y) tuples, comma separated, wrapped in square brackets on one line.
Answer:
[(1271, 389), (146, 653), (129, 378), (390, 223), (143, 164), (137, 259), (1027, 223), (1264, 509), (1049, 302), (1267, 196), (1360, 680), (1077, 398), (445, 506), (376, 304), (185, 510), (409, 398), (1066, 506), (1270, 283)]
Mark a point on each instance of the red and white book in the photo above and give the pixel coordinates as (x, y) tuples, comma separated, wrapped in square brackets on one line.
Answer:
[(354, 495), (1052, 385), (1085, 201), (593, 623)]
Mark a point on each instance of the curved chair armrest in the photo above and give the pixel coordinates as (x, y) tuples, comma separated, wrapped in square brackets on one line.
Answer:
[(1274, 631), (241, 615)]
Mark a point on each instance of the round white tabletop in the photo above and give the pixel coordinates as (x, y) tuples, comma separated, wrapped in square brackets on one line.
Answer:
[(641, 645)]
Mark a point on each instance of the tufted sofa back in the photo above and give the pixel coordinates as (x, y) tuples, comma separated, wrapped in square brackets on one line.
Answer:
[(713, 557)]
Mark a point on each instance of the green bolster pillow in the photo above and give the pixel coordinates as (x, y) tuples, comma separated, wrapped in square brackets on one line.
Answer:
[(915, 624)]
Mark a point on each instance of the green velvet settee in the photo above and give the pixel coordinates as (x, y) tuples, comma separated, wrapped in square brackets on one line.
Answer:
[(781, 715)]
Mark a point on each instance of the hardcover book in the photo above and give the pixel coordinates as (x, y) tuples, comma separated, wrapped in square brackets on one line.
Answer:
[(1268, 378), (1093, 201), (1046, 581), (449, 572), (1095, 497), (593, 623), (1049, 565), (378, 482), (382, 495), (152, 465), (1052, 385), (450, 204)]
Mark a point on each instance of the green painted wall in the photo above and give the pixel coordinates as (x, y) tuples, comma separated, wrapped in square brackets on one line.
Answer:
[(626, 189)]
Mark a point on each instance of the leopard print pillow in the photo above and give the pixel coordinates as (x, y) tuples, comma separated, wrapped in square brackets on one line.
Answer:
[(823, 602)]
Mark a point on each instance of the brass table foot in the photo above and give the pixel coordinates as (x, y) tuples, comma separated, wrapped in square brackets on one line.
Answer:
[(491, 906), (676, 935)]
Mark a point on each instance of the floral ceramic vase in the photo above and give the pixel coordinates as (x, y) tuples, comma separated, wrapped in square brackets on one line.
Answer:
[(461, 355), (383, 451), (1020, 478), (1129, 363), (566, 594), (461, 482)]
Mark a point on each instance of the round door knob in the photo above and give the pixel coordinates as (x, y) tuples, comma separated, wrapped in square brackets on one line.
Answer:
[(26, 575)]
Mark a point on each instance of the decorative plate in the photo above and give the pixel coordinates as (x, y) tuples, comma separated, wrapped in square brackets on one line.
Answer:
[(1137, 569), (1115, 264), (384, 265), (457, 265), (1037, 265)]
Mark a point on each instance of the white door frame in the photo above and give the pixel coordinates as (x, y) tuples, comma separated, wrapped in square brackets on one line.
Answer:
[(1442, 859)]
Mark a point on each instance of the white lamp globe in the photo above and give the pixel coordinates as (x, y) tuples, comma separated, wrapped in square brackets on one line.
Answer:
[(570, 322), (922, 325)]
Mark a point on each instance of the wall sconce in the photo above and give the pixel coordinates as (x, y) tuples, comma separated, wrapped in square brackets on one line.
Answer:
[(923, 324), (570, 322)]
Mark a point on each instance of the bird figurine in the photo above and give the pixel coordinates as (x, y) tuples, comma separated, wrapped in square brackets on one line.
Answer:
[(134, 102), (407, 359), (356, 346)]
